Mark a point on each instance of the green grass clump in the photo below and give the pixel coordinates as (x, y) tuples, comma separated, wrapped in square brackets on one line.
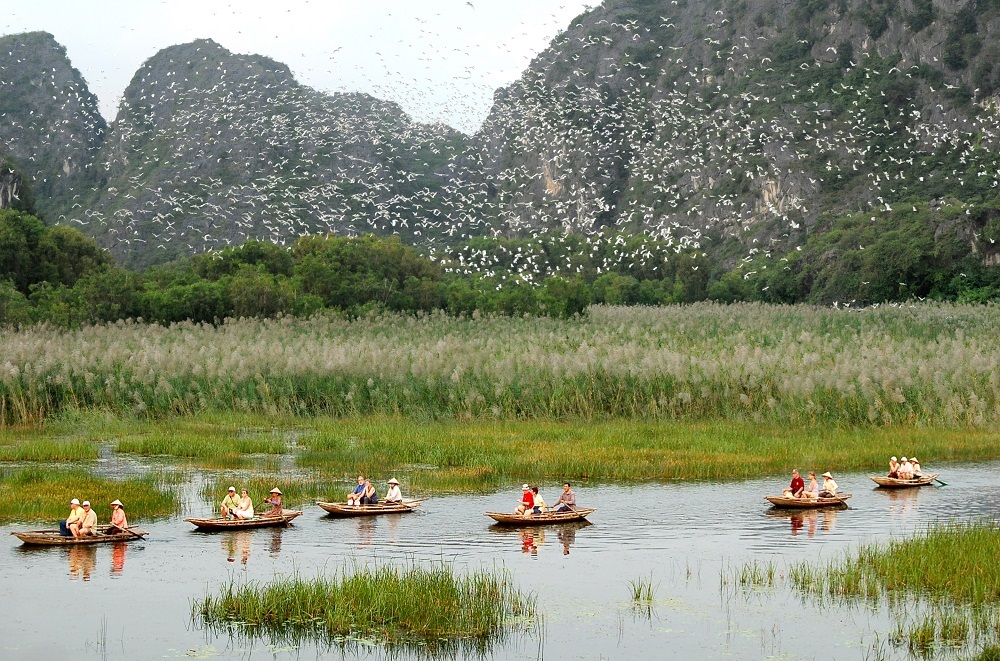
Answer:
[(204, 442), (49, 449), (953, 562), (641, 590), (39, 494), (416, 605), (295, 491), (943, 585)]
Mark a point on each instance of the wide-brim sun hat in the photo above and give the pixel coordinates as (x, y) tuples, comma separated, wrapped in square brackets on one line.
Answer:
[(827, 474), (393, 481), (75, 501), (117, 502), (893, 459), (276, 490)]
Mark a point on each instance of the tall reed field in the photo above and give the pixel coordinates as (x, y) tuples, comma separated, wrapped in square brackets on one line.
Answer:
[(431, 607), (929, 364), (44, 493)]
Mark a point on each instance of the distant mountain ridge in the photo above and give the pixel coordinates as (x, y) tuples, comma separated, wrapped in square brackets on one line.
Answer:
[(757, 135)]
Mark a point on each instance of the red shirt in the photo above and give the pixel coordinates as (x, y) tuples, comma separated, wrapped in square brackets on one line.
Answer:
[(528, 499), (798, 484)]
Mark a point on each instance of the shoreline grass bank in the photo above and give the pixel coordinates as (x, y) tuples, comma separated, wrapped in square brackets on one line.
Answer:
[(432, 607), (483, 455)]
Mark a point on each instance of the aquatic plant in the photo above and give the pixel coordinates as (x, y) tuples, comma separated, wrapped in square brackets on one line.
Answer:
[(203, 441), (430, 606), (641, 590), (930, 364), (44, 493), (754, 574), (31, 448)]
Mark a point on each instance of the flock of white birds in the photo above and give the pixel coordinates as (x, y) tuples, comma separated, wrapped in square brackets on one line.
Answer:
[(210, 149)]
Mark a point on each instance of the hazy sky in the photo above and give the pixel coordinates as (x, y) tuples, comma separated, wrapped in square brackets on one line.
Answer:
[(441, 60)]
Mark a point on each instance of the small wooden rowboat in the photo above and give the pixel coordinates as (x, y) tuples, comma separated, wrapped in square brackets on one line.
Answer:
[(511, 519), (218, 523), (54, 538), (343, 510), (896, 483), (808, 503)]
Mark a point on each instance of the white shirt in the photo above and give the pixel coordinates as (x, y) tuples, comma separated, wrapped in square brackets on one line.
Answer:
[(393, 494)]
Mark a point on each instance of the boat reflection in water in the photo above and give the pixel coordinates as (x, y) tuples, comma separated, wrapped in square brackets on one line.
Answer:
[(274, 545), (808, 520), (532, 538), (118, 558), (901, 500), (82, 561), (237, 543)]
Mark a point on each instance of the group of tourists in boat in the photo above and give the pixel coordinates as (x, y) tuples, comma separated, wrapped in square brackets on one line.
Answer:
[(798, 489), (82, 520), (366, 494), (907, 469), (241, 508), (533, 503)]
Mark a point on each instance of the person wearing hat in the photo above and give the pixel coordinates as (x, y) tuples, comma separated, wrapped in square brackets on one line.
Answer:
[(245, 509), (829, 486), (393, 495), (915, 465), (230, 504), (88, 523), (906, 470), (275, 502), (75, 514), (527, 501), (893, 467), (118, 521)]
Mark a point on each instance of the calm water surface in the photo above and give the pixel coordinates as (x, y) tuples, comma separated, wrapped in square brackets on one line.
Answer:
[(133, 601)]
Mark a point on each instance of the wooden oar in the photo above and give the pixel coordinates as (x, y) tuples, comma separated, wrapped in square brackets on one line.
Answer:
[(133, 533), (943, 483), (843, 501)]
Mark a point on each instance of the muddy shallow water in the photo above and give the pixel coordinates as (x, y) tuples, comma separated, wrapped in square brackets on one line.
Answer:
[(133, 601)]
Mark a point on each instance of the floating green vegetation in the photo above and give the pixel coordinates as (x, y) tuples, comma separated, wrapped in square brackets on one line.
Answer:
[(928, 364), (641, 590), (428, 607), (204, 441), (29, 448), (36, 493), (754, 574), (295, 491), (943, 586), (484, 455)]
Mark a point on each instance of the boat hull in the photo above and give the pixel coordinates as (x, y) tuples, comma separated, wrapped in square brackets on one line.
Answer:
[(896, 483), (53, 538), (343, 510), (808, 503), (217, 523), (549, 518)]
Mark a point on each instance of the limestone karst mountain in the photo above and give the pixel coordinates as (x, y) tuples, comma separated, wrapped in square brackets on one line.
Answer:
[(772, 140)]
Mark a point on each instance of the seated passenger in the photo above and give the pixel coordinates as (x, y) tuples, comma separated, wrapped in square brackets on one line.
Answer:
[(354, 498), (369, 496), (527, 501), (118, 521), (813, 489), (893, 467), (229, 503), (906, 470), (88, 523), (915, 467), (795, 489), (539, 506), (829, 486), (75, 514), (244, 509), (393, 495)]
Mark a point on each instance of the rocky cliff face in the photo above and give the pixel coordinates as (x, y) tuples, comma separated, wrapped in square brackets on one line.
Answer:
[(212, 148), (708, 122), (49, 120)]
